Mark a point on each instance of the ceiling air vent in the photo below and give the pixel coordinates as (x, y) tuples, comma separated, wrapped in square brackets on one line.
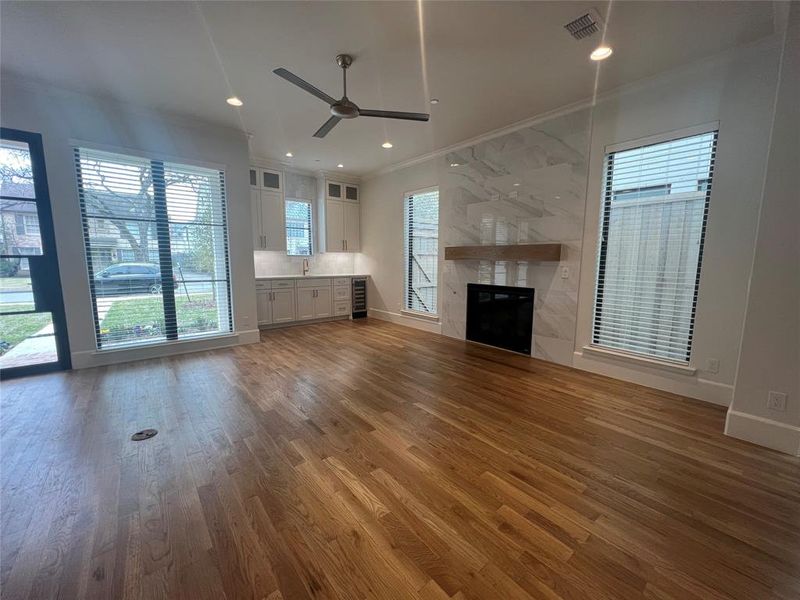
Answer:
[(585, 25)]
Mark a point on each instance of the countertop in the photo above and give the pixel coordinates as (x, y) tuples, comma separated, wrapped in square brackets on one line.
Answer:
[(312, 276)]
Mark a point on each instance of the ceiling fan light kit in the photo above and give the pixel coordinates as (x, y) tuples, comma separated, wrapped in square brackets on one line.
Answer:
[(344, 108)]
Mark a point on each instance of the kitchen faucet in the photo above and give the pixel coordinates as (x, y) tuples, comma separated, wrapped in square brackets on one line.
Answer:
[(306, 268)]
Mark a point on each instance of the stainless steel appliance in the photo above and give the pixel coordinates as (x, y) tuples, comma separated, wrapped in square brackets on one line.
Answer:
[(359, 297)]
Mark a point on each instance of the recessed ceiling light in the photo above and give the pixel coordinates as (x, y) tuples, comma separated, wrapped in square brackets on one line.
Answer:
[(340, 165), (289, 155), (601, 53), (434, 101), (455, 164), (516, 185), (234, 101), (386, 145)]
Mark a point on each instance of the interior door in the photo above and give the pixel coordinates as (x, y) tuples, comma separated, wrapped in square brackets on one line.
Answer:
[(33, 332), (352, 240), (334, 226)]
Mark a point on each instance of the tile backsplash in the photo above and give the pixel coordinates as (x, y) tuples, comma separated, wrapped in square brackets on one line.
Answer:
[(268, 264)]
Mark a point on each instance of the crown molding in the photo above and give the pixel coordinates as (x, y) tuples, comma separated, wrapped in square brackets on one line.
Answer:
[(726, 56), (281, 165)]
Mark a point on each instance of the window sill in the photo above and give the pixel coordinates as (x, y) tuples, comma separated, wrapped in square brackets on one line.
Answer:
[(145, 344), (641, 360), (420, 315)]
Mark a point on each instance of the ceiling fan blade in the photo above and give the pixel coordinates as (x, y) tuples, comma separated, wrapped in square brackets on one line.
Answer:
[(326, 127), (302, 83), (393, 114)]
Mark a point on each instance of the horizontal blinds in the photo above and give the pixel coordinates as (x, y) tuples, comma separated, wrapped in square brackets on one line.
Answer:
[(422, 251), (298, 228), (156, 248), (655, 208)]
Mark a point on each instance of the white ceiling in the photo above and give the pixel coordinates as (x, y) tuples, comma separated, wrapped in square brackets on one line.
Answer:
[(490, 63)]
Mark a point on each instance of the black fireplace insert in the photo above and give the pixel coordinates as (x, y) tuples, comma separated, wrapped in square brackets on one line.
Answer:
[(501, 316)]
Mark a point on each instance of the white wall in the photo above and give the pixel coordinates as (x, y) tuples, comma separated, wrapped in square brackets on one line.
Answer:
[(737, 89), (770, 356), (61, 116)]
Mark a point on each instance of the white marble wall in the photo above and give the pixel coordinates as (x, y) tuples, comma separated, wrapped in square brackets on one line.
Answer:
[(525, 187)]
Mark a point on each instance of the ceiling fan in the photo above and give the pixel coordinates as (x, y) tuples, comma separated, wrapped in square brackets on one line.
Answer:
[(344, 108)]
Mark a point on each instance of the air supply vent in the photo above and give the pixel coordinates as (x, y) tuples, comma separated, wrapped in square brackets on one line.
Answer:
[(584, 26)]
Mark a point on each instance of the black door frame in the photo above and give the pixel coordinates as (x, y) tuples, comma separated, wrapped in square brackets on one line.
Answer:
[(45, 276)]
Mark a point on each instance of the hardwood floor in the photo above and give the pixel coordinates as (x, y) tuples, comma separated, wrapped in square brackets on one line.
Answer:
[(367, 460)]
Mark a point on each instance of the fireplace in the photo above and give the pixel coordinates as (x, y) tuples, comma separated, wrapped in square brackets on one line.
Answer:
[(501, 316)]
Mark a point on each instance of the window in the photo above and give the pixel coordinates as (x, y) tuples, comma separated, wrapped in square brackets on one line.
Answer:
[(156, 248), (421, 250), (27, 224), (298, 228), (655, 208)]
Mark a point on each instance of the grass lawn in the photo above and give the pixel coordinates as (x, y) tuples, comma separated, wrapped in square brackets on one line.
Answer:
[(145, 316), (15, 328)]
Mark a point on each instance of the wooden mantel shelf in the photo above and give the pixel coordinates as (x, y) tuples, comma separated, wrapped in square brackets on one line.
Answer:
[(532, 252)]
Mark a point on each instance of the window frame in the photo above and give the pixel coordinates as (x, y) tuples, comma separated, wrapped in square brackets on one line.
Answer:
[(602, 243), (311, 243), (158, 162), (407, 257)]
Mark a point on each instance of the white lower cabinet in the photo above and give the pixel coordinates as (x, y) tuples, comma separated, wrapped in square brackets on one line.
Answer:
[(314, 302), (302, 299), (275, 305)]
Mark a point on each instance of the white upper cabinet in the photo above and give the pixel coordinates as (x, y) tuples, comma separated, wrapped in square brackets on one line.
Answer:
[(266, 179), (351, 192), (334, 226), (351, 227), (334, 190), (267, 209)]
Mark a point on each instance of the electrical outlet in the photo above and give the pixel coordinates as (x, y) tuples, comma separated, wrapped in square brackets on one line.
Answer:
[(776, 401), (712, 365), (564, 272)]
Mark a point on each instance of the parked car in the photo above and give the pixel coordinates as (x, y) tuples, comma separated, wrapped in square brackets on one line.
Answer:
[(128, 278)]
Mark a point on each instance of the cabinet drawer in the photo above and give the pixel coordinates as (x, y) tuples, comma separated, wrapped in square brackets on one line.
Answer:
[(341, 308), (341, 281), (341, 292), (263, 284), (282, 283), (313, 282)]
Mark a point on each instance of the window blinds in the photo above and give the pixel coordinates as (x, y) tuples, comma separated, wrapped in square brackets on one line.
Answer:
[(298, 228), (654, 214), (421, 251), (156, 245)]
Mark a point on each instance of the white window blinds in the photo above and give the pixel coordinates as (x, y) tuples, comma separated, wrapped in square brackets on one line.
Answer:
[(156, 248), (421, 251), (298, 228), (653, 223)]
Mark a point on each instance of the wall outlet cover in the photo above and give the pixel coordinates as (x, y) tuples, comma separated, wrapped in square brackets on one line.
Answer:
[(712, 365), (776, 401)]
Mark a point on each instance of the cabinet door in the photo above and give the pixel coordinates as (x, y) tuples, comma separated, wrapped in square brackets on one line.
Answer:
[(323, 305), (334, 190), (255, 214), (352, 239), (253, 177), (305, 303), (263, 307), (334, 226), (282, 306), (351, 192), (273, 221), (272, 180)]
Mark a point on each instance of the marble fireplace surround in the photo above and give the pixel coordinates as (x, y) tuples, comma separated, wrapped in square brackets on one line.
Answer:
[(526, 187)]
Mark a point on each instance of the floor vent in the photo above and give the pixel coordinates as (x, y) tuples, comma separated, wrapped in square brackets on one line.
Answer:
[(585, 25), (144, 434)]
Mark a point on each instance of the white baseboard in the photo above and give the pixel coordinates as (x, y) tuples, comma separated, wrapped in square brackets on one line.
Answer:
[(97, 358), (764, 432), (407, 320), (655, 377)]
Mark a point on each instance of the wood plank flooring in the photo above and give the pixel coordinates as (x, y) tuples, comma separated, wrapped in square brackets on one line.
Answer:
[(367, 460)]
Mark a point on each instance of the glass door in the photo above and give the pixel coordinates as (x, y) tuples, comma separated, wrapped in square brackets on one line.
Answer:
[(33, 334)]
